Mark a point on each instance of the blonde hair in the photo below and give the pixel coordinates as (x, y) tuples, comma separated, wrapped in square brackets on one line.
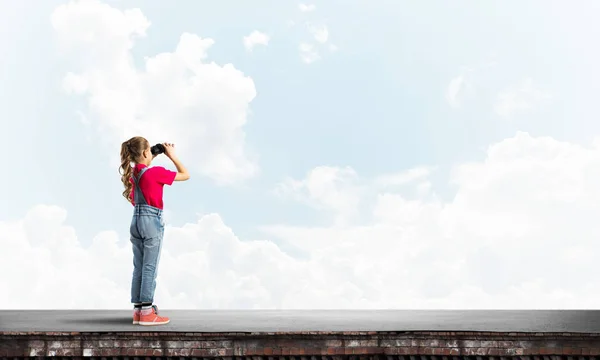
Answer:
[(131, 151)]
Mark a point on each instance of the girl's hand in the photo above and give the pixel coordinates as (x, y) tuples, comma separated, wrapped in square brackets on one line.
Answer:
[(169, 150)]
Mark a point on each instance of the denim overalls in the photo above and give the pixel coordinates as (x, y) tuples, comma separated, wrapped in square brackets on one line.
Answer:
[(147, 230)]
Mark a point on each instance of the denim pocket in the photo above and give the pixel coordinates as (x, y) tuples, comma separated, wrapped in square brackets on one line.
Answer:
[(149, 227)]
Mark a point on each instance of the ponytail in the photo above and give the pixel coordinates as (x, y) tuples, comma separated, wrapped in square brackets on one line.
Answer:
[(131, 150)]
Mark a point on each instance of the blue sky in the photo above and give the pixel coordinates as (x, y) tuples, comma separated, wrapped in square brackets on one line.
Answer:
[(454, 88)]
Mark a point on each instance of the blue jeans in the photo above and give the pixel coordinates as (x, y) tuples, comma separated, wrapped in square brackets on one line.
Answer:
[(147, 231)]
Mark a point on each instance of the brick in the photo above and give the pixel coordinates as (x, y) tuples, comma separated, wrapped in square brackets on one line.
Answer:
[(174, 344), (373, 350), (471, 343), (208, 344), (471, 351), (220, 352), (333, 343), (527, 351), (396, 342), (313, 351), (489, 344), (157, 352), (361, 343), (139, 343), (89, 344), (177, 352), (154, 344), (431, 343), (494, 352), (14, 353), (223, 344), (506, 344), (106, 343), (36, 352), (54, 345), (147, 352), (526, 344), (510, 352), (449, 343), (194, 344), (110, 352), (36, 343), (67, 352)]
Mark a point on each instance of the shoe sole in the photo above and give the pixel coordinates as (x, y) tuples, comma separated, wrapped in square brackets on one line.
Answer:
[(136, 322), (153, 323)]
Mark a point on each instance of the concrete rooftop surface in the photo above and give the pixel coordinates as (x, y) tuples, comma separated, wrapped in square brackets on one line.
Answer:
[(574, 321)]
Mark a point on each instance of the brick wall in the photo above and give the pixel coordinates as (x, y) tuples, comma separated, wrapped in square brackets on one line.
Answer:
[(304, 345)]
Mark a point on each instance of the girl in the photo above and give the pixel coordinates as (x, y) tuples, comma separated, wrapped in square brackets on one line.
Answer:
[(144, 190)]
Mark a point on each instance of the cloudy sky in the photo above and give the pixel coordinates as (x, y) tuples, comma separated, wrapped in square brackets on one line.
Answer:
[(344, 153)]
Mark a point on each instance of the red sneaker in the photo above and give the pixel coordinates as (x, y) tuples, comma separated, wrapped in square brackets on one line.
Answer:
[(150, 317), (136, 316)]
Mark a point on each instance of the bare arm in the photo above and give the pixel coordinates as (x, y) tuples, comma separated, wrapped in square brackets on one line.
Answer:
[(182, 173)]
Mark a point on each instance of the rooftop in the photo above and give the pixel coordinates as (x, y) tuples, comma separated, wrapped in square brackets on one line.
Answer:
[(294, 321)]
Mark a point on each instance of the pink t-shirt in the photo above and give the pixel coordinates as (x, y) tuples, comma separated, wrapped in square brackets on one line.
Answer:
[(152, 182)]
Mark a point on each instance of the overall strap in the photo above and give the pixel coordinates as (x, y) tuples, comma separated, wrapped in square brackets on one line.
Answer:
[(142, 173), (138, 196)]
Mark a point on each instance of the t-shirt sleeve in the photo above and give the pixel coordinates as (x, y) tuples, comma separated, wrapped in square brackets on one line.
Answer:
[(164, 176)]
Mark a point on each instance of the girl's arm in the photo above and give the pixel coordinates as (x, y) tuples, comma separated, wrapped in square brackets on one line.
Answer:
[(182, 173)]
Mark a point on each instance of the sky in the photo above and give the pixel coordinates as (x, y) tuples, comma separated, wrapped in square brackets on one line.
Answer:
[(343, 154)]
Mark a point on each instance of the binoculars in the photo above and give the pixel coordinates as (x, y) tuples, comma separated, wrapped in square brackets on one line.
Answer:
[(157, 149)]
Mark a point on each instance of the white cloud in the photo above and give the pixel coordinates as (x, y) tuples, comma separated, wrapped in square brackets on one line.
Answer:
[(202, 265), (468, 84), (177, 96), (404, 177), (307, 7), (332, 189), (519, 233), (320, 33), (453, 90), (530, 196), (519, 98), (255, 38), (308, 53)]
